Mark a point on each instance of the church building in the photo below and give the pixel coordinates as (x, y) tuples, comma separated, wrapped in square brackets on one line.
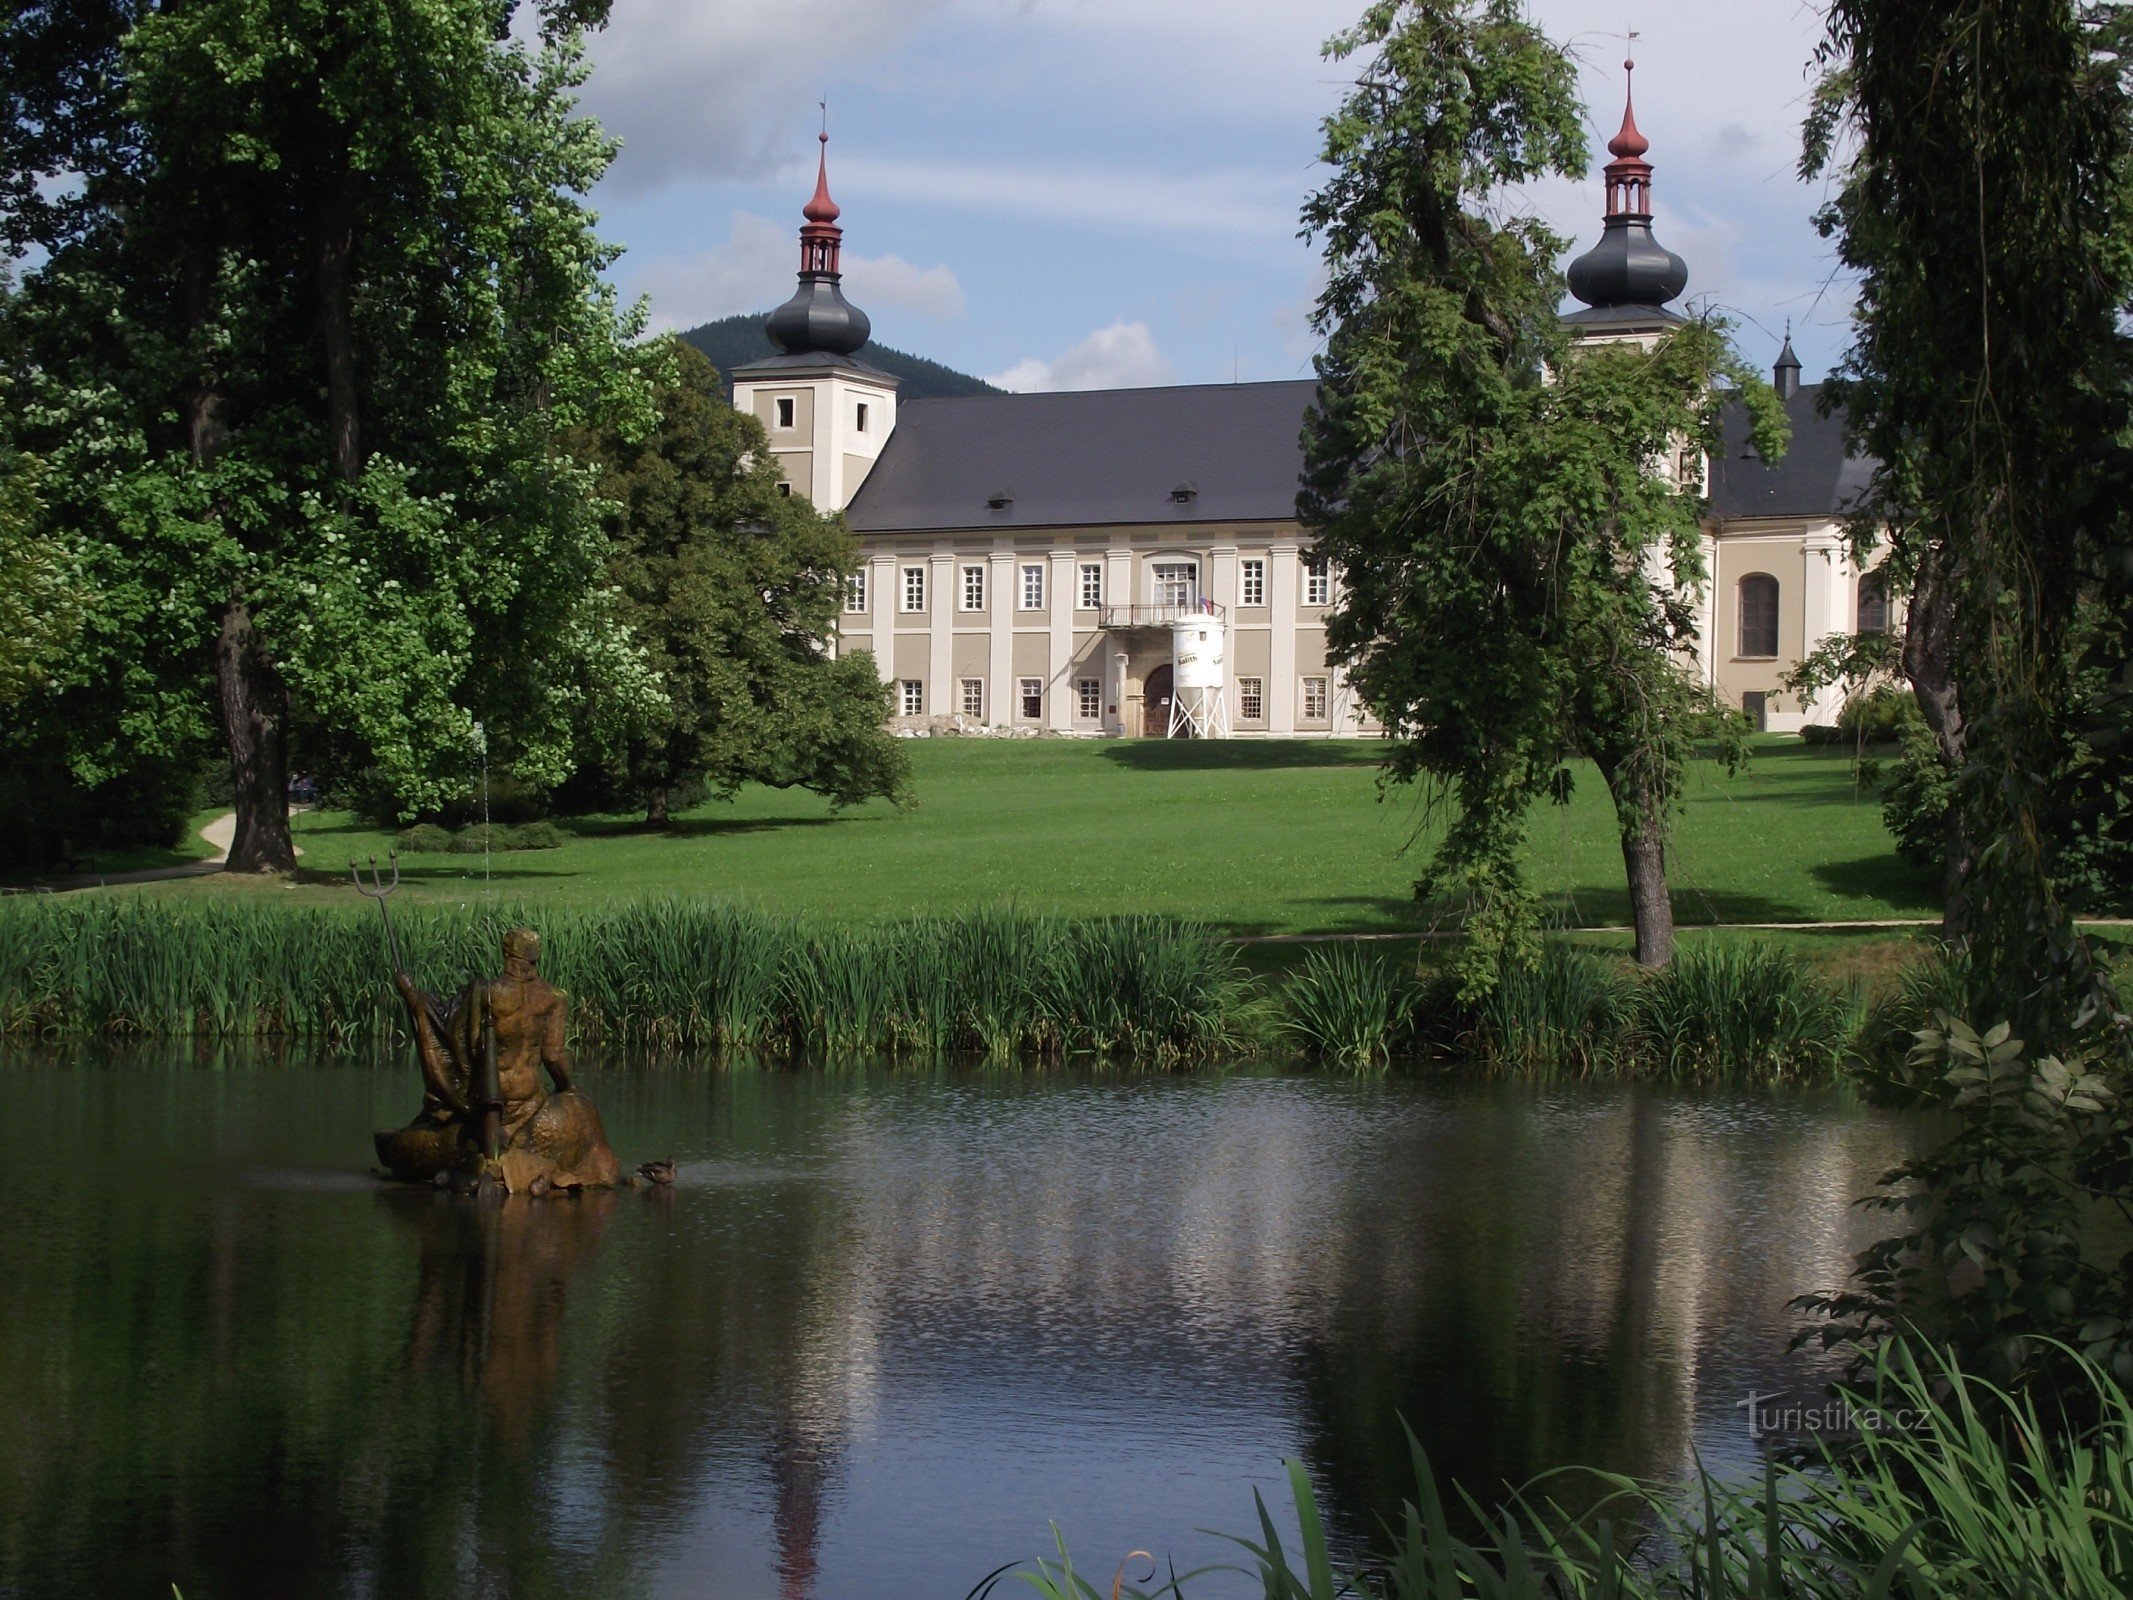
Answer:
[(1128, 562)]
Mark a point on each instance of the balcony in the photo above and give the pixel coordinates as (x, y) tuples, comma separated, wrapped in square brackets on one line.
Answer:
[(1158, 614)]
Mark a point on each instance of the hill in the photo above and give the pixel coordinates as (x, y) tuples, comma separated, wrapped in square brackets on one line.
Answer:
[(735, 341)]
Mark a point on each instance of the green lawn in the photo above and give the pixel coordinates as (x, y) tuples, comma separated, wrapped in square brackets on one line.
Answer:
[(1255, 837)]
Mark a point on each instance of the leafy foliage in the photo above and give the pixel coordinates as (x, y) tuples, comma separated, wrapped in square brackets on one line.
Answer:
[(294, 363), (1998, 1264), (729, 590), (1517, 581)]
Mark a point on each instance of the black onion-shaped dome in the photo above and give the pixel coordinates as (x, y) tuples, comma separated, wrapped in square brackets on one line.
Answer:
[(818, 318), (1628, 267)]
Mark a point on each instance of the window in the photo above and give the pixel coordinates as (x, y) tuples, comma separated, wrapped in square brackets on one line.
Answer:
[(1251, 699), (855, 591), (1092, 585), (861, 424), (1177, 583), (1251, 583), (911, 695), (914, 588), (1758, 615), (1032, 697), (1033, 588), (785, 490), (785, 412), (1314, 708), (973, 588), (1755, 705), (1088, 697), (1873, 604), (974, 697), (1318, 581)]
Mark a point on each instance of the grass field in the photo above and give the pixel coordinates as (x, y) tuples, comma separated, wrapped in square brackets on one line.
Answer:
[(1289, 837)]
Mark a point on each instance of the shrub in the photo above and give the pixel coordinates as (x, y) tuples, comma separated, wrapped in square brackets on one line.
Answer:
[(424, 839)]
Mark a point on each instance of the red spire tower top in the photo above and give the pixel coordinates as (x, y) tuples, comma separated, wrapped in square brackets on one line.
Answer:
[(821, 238), (1629, 175)]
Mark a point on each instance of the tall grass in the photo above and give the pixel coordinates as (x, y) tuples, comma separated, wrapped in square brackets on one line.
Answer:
[(1350, 1006), (1570, 1011), (662, 972), (1954, 1491), (1745, 1010)]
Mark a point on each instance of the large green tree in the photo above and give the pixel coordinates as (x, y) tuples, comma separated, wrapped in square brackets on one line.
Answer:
[(732, 590), (1519, 576), (311, 309), (1982, 154)]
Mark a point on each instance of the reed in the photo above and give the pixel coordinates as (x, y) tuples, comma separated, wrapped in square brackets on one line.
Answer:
[(1742, 1010), (1351, 1007), (1955, 1488), (662, 973), (1570, 1011)]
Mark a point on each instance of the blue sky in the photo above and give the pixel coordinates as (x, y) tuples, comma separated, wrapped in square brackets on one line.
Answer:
[(1083, 193)]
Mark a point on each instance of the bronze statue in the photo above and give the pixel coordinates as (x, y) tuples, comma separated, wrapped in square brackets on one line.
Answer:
[(485, 1115)]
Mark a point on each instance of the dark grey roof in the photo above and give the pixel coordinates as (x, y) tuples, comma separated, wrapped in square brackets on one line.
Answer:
[(1090, 457), (812, 361), (1617, 319), (1815, 477)]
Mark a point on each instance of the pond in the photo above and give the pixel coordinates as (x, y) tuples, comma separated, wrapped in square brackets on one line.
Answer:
[(885, 1330)]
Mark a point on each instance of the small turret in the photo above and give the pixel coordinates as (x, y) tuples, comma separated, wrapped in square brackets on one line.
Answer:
[(1785, 376)]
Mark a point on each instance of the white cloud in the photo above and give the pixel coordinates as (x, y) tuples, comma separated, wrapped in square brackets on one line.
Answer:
[(1122, 356), (716, 88), (1243, 203), (753, 270)]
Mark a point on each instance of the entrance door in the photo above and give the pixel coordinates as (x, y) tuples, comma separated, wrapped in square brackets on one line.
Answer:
[(1155, 704)]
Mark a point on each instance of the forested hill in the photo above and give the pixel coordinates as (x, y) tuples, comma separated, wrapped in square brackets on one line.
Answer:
[(735, 341)]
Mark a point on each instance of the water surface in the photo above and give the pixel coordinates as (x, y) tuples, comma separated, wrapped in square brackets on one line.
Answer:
[(885, 1330)]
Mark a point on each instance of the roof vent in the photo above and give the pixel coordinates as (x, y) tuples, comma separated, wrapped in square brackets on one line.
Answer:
[(1184, 494), (999, 500)]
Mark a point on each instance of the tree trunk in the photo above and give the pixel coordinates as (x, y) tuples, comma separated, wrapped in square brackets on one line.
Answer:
[(1643, 824), (1929, 666), (655, 810), (336, 239), (254, 707), (1651, 909)]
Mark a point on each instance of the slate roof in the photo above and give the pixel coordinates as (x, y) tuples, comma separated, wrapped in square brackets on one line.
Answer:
[(1815, 478), (1089, 458)]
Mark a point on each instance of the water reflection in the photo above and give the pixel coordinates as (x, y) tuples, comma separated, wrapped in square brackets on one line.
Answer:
[(883, 1330)]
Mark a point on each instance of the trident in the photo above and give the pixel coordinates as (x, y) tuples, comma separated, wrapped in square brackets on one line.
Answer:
[(377, 891)]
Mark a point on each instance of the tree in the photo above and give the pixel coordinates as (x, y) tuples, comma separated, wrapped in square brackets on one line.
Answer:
[(1519, 577), (730, 589), (1983, 156), (297, 357)]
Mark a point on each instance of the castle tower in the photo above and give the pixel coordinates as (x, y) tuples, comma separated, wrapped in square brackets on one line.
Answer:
[(827, 412), (1627, 278)]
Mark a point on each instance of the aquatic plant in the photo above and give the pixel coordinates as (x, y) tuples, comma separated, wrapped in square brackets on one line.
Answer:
[(1350, 1006), (665, 972), (1569, 1011), (1741, 1009), (1952, 1487)]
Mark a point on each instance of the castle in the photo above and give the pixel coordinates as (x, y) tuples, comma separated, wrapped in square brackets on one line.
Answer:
[(1128, 562)]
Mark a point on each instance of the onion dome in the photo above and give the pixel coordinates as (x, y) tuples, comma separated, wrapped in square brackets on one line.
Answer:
[(818, 319), (1628, 267)]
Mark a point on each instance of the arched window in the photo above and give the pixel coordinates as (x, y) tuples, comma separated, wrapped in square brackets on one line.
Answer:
[(1758, 615), (1873, 604)]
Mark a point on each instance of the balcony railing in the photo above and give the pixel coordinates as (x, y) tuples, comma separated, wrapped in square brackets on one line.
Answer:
[(1158, 614)]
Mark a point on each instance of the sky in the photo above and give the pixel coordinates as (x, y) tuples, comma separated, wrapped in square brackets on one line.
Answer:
[(1102, 193)]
